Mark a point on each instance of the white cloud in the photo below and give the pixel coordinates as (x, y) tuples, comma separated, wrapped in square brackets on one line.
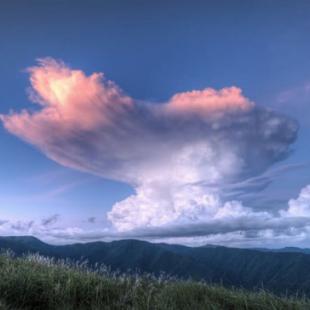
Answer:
[(299, 207)]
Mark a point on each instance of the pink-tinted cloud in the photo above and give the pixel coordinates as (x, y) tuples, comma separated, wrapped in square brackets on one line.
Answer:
[(177, 155), (70, 101), (210, 102)]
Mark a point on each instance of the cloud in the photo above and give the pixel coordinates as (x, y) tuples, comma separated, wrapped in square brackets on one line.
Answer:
[(18, 226), (50, 220), (2, 222), (232, 224), (182, 156), (209, 102), (295, 100), (299, 207), (92, 220)]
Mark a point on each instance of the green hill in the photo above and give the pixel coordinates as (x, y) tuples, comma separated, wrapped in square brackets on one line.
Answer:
[(35, 282), (280, 273)]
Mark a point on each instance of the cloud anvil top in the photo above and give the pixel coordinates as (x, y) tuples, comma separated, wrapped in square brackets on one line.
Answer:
[(180, 156)]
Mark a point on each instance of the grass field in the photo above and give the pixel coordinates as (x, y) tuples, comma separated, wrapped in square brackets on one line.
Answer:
[(35, 282)]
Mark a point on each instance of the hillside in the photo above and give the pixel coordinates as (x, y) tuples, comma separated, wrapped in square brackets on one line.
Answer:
[(278, 272), (35, 282)]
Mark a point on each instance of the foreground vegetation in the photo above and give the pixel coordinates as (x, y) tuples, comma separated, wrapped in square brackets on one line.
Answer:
[(35, 282)]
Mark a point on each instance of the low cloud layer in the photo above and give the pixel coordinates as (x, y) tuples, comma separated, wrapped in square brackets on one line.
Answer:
[(182, 156), (244, 227)]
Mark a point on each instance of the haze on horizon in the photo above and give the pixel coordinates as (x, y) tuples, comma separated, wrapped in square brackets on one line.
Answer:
[(163, 121)]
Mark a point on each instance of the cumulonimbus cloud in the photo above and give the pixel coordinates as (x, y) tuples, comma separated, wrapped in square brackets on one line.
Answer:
[(178, 155)]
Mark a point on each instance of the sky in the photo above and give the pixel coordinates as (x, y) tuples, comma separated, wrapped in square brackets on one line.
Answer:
[(168, 121)]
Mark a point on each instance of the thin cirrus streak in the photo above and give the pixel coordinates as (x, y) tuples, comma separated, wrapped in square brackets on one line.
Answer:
[(179, 155)]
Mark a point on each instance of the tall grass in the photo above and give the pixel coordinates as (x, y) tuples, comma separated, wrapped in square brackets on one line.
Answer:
[(35, 282)]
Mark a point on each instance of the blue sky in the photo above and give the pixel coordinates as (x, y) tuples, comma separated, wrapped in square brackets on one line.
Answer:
[(152, 50)]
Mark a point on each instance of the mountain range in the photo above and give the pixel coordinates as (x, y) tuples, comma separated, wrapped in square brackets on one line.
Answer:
[(280, 271)]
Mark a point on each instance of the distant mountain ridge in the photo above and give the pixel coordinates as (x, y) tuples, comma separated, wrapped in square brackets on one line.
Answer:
[(286, 250), (279, 271)]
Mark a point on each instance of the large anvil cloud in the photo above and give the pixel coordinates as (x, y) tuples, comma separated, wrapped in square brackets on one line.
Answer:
[(178, 155)]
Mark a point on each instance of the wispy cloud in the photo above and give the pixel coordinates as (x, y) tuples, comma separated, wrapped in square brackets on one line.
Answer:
[(51, 220), (295, 100), (92, 220)]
